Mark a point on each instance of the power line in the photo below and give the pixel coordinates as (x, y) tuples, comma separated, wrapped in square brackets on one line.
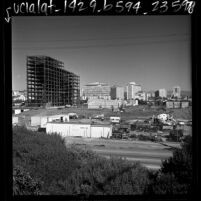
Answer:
[(102, 39), (99, 45)]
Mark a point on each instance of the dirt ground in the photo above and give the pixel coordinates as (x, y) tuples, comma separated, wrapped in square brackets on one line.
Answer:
[(150, 154), (130, 113)]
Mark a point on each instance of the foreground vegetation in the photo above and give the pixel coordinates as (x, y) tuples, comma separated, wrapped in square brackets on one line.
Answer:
[(43, 165)]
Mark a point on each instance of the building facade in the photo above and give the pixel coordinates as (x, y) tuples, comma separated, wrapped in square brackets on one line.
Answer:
[(85, 130), (96, 90), (49, 83), (117, 92), (176, 93), (161, 93), (140, 95), (103, 103), (132, 88)]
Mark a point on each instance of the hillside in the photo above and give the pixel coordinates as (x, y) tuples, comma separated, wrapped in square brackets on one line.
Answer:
[(44, 165)]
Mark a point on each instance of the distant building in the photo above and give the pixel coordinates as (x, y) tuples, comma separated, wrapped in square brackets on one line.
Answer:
[(169, 104), (117, 92), (148, 96), (19, 98), (15, 93), (176, 93), (132, 88), (103, 103), (49, 83), (140, 95), (96, 90), (19, 95), (161, 93)]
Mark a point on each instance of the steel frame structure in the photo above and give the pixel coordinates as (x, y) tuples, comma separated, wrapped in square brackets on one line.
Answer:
[(49, 83)]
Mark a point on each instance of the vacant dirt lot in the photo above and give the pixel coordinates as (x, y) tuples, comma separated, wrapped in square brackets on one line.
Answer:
[(149, 154), (130, 113)]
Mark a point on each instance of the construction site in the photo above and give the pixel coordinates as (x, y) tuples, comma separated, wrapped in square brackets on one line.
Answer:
[(48, 83), (140, 133)]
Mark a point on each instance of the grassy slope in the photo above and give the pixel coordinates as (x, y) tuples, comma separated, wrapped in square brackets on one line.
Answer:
[(71, 170)]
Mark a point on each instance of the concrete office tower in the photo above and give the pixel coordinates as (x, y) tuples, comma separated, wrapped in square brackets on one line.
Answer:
[(48, 82), (161, 93), (96, 90), (117, 92), (132, 88), (176, 92)]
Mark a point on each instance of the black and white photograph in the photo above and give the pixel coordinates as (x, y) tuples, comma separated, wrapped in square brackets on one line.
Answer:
[(102, 105)]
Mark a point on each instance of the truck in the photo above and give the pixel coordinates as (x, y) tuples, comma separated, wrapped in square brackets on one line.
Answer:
[(115, 119)]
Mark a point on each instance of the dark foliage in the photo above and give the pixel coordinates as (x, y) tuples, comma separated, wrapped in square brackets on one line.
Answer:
[(175, 175), (70, 170), (43, 164), (24, 184)]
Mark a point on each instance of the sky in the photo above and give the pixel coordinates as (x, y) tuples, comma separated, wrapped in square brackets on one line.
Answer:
[(153, 51)]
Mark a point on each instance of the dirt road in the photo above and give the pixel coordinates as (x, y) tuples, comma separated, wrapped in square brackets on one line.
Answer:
[(149, 154)]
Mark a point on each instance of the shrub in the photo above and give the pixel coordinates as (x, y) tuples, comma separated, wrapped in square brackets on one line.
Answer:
[(175, 175), (24, 184)]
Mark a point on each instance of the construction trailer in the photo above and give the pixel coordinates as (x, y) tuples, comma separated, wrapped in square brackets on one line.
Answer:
[(77, 129), (169, 104), (48, 83), (185, 104), (177, 104), (18, 120)]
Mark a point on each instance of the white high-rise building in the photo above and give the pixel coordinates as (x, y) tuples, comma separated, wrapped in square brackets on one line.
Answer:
[(96, 90), (131, 89), (176, 92)]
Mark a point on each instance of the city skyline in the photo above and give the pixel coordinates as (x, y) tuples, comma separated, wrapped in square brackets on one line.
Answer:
[(111, 49)]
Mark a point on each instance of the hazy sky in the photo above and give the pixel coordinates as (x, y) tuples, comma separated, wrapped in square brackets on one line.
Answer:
[(153, 51)]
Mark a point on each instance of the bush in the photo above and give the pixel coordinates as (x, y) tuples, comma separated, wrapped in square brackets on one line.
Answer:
[(109, 177), (24, 184), (70, 170), (44, 156), (175, 175), (44, 165)]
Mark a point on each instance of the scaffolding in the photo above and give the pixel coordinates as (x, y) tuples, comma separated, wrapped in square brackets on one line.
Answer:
[(49, 83)]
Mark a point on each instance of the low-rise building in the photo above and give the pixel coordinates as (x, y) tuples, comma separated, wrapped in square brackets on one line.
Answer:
[(161, 93), (169, 104), (77, 129), (102, 103), (177, 104), (41, 120), (185, 104), (176, 92), (140, 95), (96, 90)]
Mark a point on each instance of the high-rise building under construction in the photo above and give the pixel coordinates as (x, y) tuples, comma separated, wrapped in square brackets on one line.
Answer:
[(49, 83)]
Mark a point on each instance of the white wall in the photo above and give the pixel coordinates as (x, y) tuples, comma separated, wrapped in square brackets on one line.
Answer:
[(15, 120), (43, 122), (100, 131), (64, 130), (35, 121), (82, 130), (17, 111)]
